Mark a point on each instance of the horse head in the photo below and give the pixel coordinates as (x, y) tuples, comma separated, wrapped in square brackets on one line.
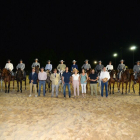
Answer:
[(37, 69), (5, 72)]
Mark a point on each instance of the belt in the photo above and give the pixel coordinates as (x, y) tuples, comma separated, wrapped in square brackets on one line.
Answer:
[(42, 80)]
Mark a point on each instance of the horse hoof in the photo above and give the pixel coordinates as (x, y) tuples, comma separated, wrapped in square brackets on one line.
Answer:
[(17, 90)]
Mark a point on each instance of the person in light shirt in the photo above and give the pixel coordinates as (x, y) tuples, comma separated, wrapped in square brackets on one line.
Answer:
[(9, 66), (36, 63), (42, 76), (104, 77), (86, 66), (48, 66), (109, 67)]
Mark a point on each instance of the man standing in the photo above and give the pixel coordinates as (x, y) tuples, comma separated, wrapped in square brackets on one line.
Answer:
[(66, 81), (36, 63), (93, 77), (9, 66), (21, 66), (86, 66), (74, 65), (136, 70), (104, 77), (61, 67), (109, 67), (121, 68), (55, 77), (99, 67), (48, 66), (33, 77), (42, 76)]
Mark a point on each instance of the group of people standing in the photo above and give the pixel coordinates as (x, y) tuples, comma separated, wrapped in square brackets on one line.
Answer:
[(72, 77)]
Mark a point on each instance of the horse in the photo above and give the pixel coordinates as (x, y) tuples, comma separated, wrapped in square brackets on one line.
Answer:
[(125, 78), (60, 72), (6, 76), (99, 81), (37, 71), (88, 73), (135, 80), (48, 81), (1, 79), (20, 78), (112, 80)]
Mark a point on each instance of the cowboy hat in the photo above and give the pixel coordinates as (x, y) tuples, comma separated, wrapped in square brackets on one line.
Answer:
[(75, 70), (8, 60), (61, 61), (49, 61), (36, 59), (122, 60), (100, 61), (86, 60), (74, 61)]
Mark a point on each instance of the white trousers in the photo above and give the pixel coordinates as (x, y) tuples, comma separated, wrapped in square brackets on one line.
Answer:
[(83, 86)]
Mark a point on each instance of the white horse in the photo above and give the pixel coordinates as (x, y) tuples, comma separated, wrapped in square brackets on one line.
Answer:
[(60, 72)]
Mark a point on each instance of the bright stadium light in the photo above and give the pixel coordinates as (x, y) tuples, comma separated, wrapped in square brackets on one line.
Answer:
[(132, 48), (115, 55), (95, 62)]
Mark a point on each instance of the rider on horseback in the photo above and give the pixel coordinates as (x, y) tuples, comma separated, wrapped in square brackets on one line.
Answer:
[(121, 68), (136, 70), (61, 67), (74, 65), (35, 63), (48, 66), (109, 67), (86, 66), (99, 67), (22, 67), (9, 66)]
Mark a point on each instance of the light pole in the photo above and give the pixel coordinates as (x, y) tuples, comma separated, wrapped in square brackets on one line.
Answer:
[(132, 48), (115, 55)]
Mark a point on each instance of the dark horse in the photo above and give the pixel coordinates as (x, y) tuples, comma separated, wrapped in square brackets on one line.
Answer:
[(112, 80), (137, 80), (37, 71), (6, 76), (88, 73), (20, 78), (125, 78), (48, 81)]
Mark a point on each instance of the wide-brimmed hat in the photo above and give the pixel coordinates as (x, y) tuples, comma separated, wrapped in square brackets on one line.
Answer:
[(110, 61), (86, 60), (74, 61), (75, 70), (99, 61), (61, 61), (49, 61), (138, 62), (20, 60), (122, 60), (36, 59), (33, 67), (8, 60)]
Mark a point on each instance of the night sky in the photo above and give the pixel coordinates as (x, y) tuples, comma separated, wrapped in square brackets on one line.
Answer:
[(69, 30)]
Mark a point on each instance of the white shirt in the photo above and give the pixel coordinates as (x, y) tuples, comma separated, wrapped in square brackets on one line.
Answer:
[(104, 74), (9, 66), (75, 77), (109, 67)]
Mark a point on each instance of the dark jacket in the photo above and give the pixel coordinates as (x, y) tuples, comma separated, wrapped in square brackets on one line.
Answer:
[(33, 77)]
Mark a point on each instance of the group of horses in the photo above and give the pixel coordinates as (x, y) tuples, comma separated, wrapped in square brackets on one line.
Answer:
[(126, 77)]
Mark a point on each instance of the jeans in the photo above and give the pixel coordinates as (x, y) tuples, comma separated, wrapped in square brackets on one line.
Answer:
[(41, 83), (64, 89), (56, 88), (102, 88)]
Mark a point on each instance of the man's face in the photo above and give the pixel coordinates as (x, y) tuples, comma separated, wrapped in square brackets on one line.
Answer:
[(74, 62), (66, 68), (33, 70), (109, 63), (86, 62), (138, 63), (61, 62), (8, 61), (48, 62), (99, 63), (42, 70), (92, 71), (104, 69), (55, 71), (20, 61), (121, 62), (36, 61)]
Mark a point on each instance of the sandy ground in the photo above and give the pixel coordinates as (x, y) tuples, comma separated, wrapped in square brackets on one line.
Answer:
[(92, 118)]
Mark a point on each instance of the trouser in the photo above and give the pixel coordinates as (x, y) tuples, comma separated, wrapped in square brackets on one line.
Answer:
[(135, 75), (119, 74), (76, 86), (64, 89), (56, 88), (41, 83), (102, 88), (31, 87), (93, 88), (83, 86)]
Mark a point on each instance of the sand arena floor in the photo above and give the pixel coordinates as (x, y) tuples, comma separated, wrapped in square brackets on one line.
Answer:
[(44, 118)]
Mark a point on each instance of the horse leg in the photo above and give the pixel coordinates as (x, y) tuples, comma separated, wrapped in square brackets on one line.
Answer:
[(110, 87), (21, 86), (122, 87), (133, 87), (25, 83), (5, 87), (126, 87), (113, 87), (13, 83), (37, 87), (139, 89), (1, 84), (8, 86), (17, 86), (129, 87)]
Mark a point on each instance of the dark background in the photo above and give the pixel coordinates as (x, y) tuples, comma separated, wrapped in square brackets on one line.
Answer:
[(69, 30)]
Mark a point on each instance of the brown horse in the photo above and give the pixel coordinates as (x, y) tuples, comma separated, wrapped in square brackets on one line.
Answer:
[(112, 80), (125, 78), (48, 81), (6, 76), (88, 73), (135, 80), (37, 71)]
